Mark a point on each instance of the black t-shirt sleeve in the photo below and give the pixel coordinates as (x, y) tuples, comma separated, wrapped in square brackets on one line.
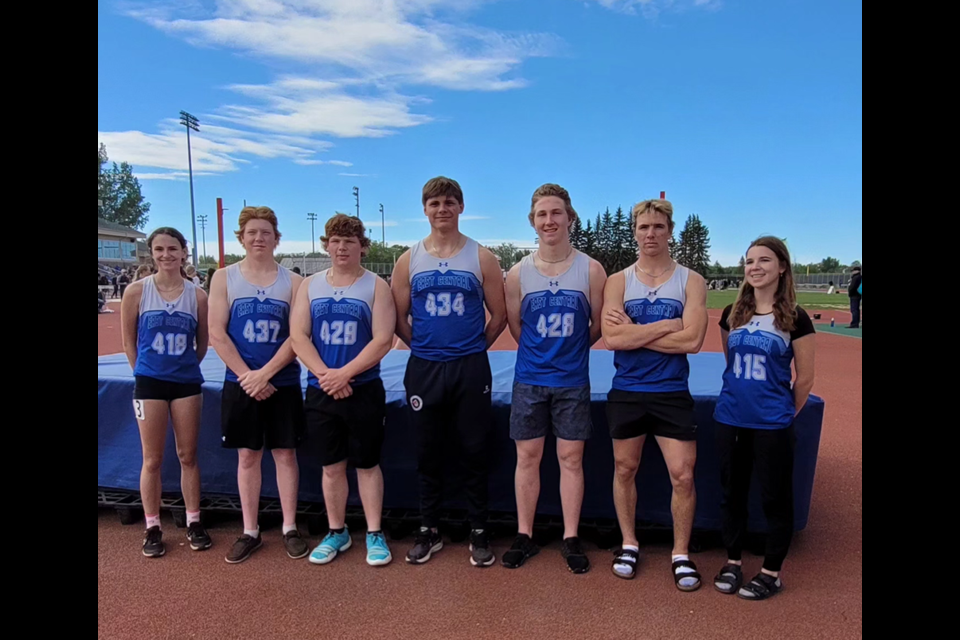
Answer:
[(804, 325), (725, 318)]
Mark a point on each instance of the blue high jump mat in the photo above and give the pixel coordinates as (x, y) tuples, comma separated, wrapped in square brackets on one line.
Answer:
[(119, 455)]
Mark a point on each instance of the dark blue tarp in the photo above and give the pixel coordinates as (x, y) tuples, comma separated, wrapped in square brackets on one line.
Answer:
[(119, 455)]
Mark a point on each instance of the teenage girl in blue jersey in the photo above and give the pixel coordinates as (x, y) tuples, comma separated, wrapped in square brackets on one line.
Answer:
[(164, 319), (765, 334)]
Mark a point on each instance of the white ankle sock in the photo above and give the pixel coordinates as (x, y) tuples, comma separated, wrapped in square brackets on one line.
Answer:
[(289, 529), (152, 521), (193, 517), (685, 582), (625, 569), (253, 533)]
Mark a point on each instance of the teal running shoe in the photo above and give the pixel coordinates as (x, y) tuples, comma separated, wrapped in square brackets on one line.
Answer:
[(333, 545), (378, 554)]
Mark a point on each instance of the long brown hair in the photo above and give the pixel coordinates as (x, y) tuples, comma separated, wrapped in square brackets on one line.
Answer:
[(176, 235), (785, 302)]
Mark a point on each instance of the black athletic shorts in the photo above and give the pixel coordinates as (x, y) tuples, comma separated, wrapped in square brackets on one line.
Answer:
[(351, 429), (152, 389), (664, 415), (453, 395), (276, 423)]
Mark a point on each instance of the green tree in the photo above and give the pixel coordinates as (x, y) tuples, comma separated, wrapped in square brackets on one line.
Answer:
[(378, 253), (742, 267), (718, 269), (507, 255), (119, 197), (695, 246), (624, 244), (830, 265), (577, 236), (589, 241)]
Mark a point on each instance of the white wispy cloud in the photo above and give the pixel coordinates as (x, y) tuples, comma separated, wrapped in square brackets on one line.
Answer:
[(652, 8), (346, 68), (356, 175)]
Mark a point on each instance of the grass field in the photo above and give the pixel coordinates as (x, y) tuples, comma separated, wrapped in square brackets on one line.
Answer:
[(807, 300)]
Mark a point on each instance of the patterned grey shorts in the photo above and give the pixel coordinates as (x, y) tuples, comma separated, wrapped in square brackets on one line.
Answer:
[(536, 409)]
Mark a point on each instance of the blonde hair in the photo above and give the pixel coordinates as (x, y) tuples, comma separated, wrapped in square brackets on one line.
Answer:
[(143, 271), (257, 213), (663, 207), (555, 191)]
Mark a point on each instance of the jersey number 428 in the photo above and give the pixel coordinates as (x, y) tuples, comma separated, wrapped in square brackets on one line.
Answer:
[(556, 325), (339, 333)]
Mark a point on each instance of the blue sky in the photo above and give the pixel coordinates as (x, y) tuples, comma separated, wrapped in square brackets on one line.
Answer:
[(746, 112)]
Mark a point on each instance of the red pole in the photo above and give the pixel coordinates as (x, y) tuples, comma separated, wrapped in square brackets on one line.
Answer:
[(663, 195), (220, 229)]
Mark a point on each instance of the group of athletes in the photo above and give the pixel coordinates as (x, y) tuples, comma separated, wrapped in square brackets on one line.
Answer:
[(448, 302)]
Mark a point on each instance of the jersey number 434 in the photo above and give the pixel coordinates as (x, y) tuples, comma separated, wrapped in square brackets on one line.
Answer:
[(445, 304)]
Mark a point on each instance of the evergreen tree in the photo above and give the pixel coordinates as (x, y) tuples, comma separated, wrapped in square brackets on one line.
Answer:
[(695, 246), (577, 236), (589, 241), (624, 241)]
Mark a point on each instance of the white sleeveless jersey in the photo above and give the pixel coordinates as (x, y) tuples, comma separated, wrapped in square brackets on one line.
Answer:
[(643, 370), (446, 298)]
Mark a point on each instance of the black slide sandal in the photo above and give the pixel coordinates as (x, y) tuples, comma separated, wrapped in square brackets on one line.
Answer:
[(629, 558), (693, 574), (730, 576), (763, 587)]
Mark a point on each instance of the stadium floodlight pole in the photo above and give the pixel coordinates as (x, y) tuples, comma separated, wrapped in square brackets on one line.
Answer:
[(383, 227), (192, 124), (356, 194), (312, 217), (203, 233)]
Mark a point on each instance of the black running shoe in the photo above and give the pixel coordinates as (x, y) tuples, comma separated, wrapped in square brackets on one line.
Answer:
[(243, 548), (577, 560), (153, 543), (296, 547), (428, 542), (522, 550), (198, 537), (481, 555)]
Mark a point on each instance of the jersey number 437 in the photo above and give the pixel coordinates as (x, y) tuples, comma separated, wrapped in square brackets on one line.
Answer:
[(262, 332)]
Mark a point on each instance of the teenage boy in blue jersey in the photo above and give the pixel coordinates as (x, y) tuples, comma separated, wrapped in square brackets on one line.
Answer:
[(342, 327), (447, 283), (655, 313), (554, 302)]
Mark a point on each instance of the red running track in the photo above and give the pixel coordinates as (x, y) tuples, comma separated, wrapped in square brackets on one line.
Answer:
[(188, 595)]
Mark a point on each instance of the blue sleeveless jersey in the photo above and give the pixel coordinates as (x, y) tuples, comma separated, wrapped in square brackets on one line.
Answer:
[(554, 346), (260, 323), (757, 391), (342, 322), (166, 336), (449, 318), (643, 370)]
